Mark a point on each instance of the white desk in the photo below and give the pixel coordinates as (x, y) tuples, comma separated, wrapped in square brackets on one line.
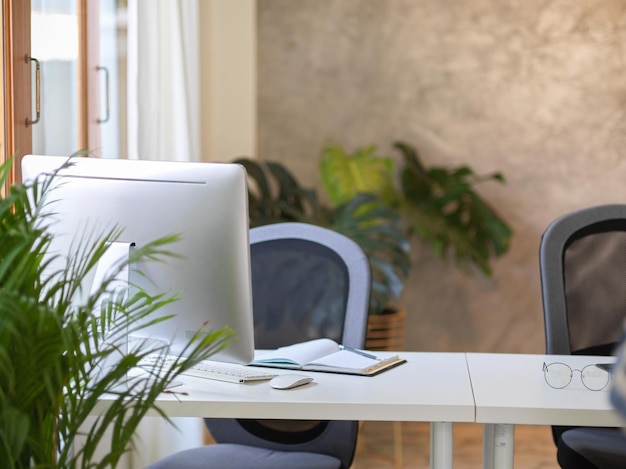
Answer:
[(510, 389), (430, 387)]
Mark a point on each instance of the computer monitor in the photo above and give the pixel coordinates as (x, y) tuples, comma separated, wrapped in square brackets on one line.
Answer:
[(205, 203)]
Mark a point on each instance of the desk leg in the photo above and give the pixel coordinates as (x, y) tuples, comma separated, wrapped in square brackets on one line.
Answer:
[(441, 445), (488, 432), (498, 446)]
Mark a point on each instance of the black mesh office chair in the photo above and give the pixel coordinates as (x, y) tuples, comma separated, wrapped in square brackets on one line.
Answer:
[(308, 282), (583, 279)]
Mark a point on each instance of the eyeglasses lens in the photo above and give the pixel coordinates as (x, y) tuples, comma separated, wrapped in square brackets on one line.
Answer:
[(557, 375), (594, 378)]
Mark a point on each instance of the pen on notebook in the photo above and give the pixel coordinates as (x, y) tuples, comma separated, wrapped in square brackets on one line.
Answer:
[(360, 352)]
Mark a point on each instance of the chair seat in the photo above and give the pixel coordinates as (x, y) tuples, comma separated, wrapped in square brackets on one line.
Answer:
[(592, 448), (233, 456)]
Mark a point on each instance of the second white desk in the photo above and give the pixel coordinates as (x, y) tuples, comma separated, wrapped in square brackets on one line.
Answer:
[(510, 389)]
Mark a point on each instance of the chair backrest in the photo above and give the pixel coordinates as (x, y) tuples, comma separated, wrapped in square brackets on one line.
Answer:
[(307, 282), (582, 260)]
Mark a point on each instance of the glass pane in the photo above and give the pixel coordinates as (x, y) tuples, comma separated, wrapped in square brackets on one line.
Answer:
[(112, 17), (54, 42)]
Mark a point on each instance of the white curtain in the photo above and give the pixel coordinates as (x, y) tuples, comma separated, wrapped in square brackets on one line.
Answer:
[(163, 80), (163, 124)]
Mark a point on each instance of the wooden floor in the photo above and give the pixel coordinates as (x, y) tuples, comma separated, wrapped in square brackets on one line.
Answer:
[(533, 446)]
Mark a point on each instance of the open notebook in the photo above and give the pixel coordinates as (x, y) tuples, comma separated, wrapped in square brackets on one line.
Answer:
[(327, 355)]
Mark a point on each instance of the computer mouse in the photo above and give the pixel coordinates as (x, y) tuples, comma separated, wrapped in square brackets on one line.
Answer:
[(289, 381)]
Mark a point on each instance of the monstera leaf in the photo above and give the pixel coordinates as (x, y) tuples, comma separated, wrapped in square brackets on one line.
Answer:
[(344, 176), (442, 208)]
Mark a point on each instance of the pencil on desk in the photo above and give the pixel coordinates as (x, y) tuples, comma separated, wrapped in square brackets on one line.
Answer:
[(359, 352)]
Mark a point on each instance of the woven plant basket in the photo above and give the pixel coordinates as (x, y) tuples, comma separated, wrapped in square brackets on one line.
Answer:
[(386, 331)]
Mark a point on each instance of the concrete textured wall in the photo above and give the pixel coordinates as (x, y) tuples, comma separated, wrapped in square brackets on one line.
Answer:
[(534, 89)]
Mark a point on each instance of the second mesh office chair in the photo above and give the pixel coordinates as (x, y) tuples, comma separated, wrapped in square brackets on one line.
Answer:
[(308, 282), (583, 279)]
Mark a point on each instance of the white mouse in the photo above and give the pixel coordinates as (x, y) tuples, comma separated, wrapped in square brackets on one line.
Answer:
[(289, 381)]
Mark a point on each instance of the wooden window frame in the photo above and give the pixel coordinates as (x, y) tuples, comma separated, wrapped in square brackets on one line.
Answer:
[(16, 80), (17, 83)]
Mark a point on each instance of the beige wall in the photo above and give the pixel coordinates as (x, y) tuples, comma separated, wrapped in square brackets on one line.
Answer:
[(228, 77), (535, 89)]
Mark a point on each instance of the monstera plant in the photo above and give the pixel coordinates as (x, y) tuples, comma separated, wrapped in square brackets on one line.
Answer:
[(53, 348), (381, 206)]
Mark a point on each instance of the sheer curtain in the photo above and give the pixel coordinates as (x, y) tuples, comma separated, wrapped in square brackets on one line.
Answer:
[(163, 80), (163, 124)]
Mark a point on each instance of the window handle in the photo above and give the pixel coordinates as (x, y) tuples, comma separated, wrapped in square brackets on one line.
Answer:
[(106, 91), (30, 122)]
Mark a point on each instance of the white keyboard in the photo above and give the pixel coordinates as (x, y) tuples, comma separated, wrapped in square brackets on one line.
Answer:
[(221, 371)]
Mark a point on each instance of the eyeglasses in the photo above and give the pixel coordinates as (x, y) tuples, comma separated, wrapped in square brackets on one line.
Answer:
[(595, 377)]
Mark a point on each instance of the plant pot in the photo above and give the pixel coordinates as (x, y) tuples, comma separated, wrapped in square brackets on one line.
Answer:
[(386, 331)]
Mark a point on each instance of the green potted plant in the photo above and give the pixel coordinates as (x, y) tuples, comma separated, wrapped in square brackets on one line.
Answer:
[(382, 207), (52, 350)]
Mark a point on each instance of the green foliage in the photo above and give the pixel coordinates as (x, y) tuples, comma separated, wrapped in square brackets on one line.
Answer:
[(380, 206), (377, 229), (276, 196), (345, 176), (55, 353), (443, 209), (438, 205)]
